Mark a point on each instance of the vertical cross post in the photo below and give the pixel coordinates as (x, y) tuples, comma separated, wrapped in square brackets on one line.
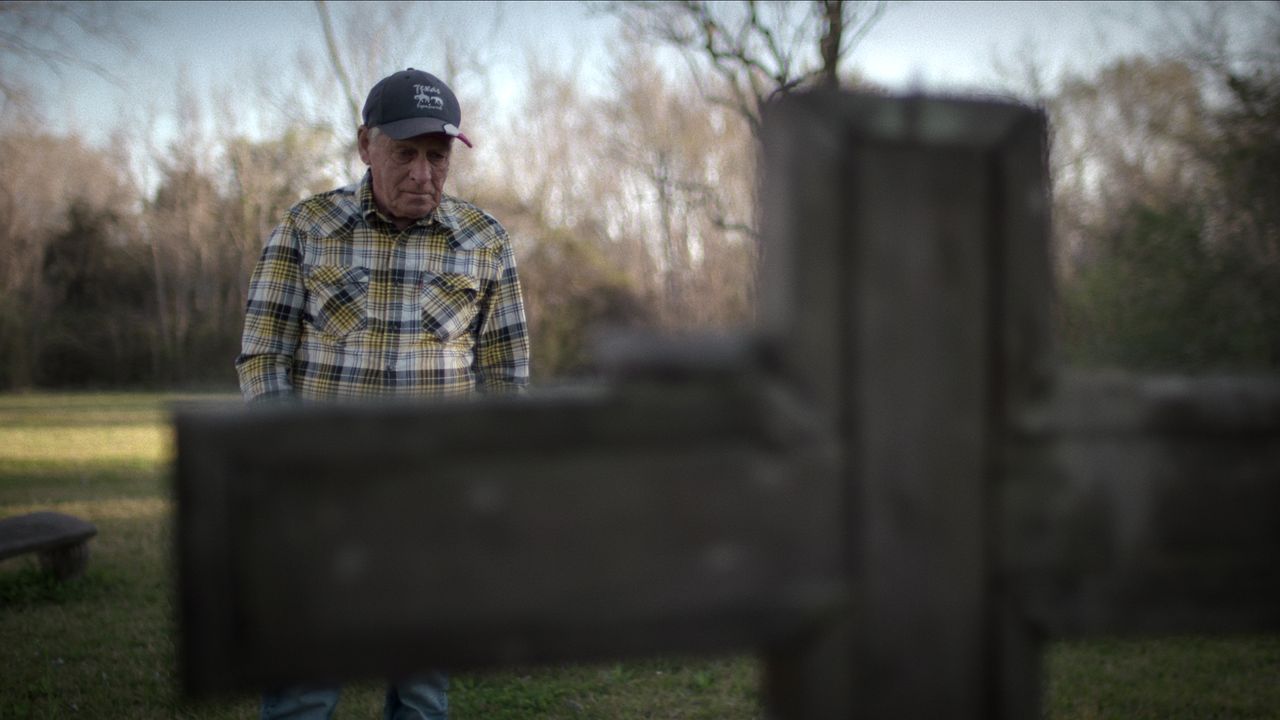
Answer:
[(906, 280)]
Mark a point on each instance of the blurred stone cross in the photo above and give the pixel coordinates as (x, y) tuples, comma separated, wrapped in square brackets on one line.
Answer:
[(887, 489)]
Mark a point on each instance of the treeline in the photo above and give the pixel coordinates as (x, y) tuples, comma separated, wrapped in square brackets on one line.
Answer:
[(106, 285), (1166, 173), (632, 209), (636, 208)]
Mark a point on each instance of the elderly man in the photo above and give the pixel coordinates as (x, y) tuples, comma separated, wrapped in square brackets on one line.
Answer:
[(387, 287)]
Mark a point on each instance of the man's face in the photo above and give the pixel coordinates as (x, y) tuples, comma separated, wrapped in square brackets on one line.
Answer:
[(408, 175)]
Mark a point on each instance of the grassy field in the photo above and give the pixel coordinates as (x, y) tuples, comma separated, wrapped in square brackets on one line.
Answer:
[(102, 646)]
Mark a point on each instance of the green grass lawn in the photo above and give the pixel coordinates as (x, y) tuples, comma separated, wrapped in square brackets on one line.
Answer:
[(103, 646)]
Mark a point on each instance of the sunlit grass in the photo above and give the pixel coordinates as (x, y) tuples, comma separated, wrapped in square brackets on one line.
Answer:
[(58, 448), (64, 445)]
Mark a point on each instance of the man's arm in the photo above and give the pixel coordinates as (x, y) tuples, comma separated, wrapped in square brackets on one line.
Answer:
[(502, 343), (273, 318)]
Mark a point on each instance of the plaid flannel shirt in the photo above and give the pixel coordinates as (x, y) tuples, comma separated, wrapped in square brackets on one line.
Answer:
[(342, 305)]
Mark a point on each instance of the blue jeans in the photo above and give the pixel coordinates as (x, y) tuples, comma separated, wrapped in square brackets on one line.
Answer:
[(423, 697)]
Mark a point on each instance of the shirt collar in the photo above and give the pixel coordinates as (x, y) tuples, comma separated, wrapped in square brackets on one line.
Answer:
[(369, 209)]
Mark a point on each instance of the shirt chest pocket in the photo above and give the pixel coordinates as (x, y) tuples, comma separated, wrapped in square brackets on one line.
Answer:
[(337, 299), (450, 303)]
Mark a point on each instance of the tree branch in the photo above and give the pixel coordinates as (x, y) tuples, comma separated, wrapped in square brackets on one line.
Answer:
[(335, 58)]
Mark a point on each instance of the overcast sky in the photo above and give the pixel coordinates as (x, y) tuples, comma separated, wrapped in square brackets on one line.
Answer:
[(916, 45)]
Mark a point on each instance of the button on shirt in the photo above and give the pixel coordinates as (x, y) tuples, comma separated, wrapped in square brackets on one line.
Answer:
[(343, 305)]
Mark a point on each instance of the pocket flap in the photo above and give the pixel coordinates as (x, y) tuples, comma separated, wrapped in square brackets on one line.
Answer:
[(337, 275), (456, 283)]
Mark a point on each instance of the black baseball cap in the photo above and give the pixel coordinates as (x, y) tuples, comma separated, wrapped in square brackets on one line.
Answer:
[(411, 103)]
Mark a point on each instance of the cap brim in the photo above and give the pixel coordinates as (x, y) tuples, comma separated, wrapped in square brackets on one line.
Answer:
[(413, 127)]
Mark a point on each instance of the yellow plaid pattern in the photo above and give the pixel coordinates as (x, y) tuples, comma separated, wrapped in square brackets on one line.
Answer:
[(344, 306)]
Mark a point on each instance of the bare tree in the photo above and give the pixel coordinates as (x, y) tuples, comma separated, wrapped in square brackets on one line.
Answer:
[(755, 50), (337, 62), (1129, 133), (54, 34), (365, 43), (688, 167), (1235, 50)]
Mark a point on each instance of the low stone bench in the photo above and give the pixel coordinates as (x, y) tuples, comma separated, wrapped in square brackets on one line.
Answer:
[(61, 541)]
